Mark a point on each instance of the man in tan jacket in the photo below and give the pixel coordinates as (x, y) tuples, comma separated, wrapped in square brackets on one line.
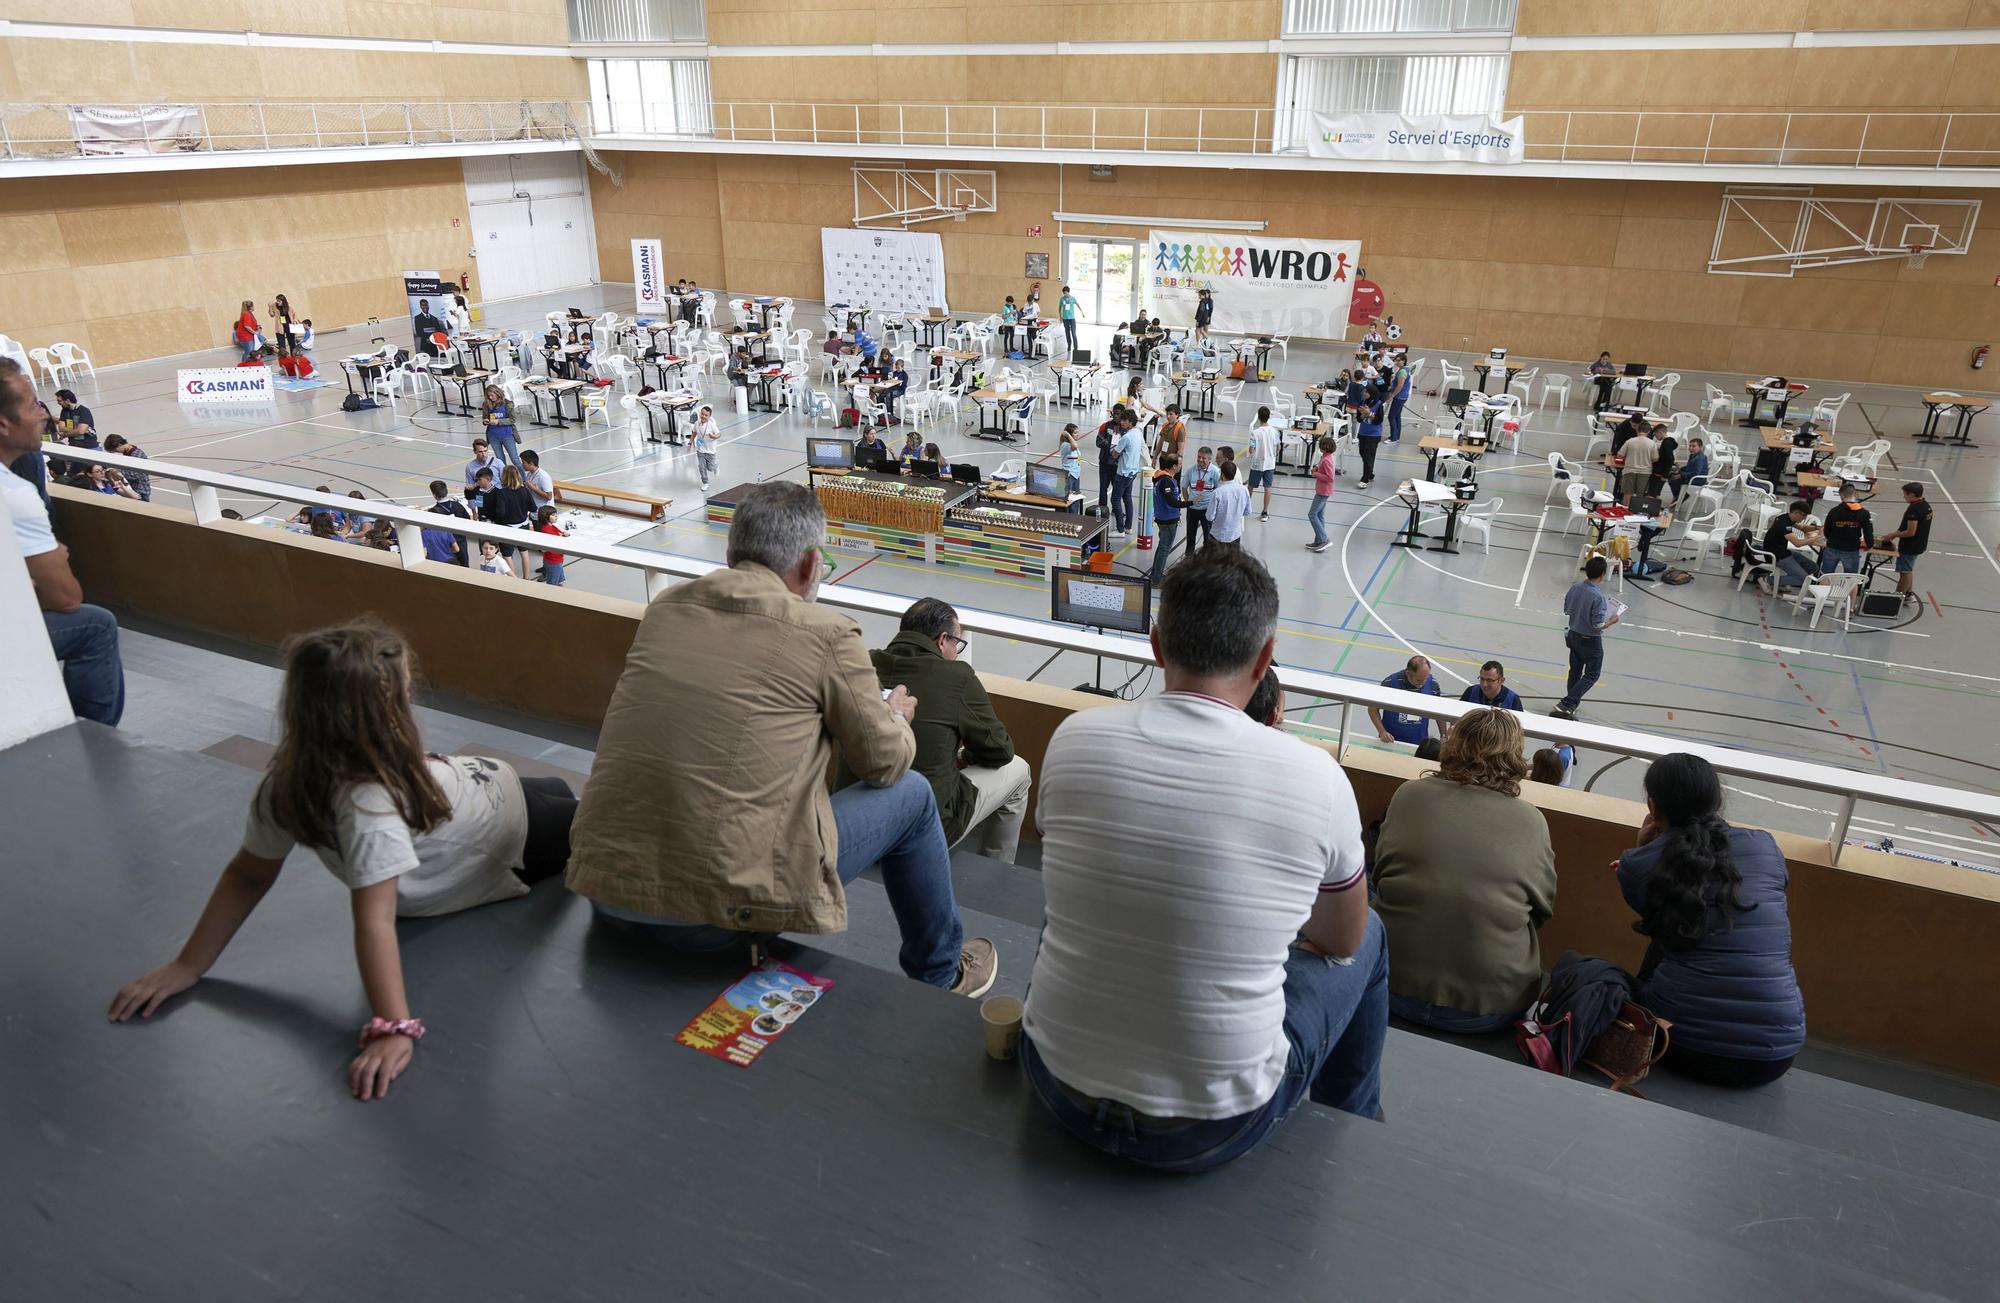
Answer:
[(707, 815)]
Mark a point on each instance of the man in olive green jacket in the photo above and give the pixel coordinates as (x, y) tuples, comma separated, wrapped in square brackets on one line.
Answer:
[(707, 815), (962, 747)]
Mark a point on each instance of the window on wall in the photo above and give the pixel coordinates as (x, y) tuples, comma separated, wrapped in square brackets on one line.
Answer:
[(652, 97), (636, 20), (1392, 83), (1342, 17)]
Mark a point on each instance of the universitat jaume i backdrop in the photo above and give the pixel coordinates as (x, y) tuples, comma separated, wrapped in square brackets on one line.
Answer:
[(1261, 284)]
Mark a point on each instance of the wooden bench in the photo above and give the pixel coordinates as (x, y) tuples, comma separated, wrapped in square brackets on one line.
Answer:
[(643, 504)]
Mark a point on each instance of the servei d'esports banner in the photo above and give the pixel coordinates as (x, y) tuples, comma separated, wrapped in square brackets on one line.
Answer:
[(1431, 138), (1261, 284)]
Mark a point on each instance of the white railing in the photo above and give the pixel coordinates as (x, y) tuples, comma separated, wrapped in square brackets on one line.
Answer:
[(1847, 787), (1220, 129), (54, 131)]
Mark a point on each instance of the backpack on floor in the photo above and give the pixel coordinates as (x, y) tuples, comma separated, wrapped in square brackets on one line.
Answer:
[(1677, 576)]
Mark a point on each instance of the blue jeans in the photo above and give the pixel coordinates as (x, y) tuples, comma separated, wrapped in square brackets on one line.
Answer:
[(553, 573), (249, 347), (1121, 501), (1076, 486), (86, 642), (505, 449), (1586, 663), (1316, 514), (1833, 560), (898, 827), (1792, 569), (1396, 421), (1336, 1018), (1167, 529), (1445, 1019)]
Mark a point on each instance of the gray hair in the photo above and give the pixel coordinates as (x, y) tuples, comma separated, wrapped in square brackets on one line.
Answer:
[(775, 525), (930, 616)]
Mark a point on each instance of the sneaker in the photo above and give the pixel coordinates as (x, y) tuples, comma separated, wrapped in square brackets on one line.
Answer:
[(978, 965), (1561, 711), (1319, 547), (1364, 484), (1263, 516)]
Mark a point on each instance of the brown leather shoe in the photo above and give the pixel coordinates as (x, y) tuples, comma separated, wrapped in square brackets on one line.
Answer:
[(978, 965)]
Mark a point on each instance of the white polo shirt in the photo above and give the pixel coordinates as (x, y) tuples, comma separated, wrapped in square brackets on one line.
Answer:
[(1264, 448), (32, 532), (1172, 902)]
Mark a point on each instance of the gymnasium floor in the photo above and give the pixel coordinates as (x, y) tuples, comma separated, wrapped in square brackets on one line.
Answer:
[(1915, 698)]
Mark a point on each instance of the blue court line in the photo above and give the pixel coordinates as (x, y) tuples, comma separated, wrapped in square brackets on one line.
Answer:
[(1479, 651), (1861, 698), (1387, 551), (1790, 703)]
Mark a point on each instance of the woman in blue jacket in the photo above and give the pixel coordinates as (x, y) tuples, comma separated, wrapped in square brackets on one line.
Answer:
[(1712, 898)]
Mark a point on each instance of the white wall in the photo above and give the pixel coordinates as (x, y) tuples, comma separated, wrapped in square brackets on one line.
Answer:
[(32, 699), (530, 223)]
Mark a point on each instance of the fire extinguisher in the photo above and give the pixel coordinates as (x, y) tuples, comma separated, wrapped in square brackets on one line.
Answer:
[(465, 280), (1979, 356)]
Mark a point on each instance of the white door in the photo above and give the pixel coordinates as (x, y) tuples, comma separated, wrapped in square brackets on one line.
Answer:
[(530, 223)]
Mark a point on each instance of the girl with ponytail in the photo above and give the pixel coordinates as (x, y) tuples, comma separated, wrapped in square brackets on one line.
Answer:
[(1712, 899)]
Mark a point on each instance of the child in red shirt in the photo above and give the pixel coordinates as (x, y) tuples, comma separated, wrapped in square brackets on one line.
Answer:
[(552, 562)]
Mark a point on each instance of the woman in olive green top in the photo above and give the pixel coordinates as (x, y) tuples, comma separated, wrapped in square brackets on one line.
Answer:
[(1467, 876)]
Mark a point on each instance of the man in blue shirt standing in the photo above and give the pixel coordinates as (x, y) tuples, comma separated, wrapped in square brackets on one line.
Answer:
[(441, 544), (1129, 450), (1492, 689), (1588, 614), (1394, 726), (1066, 309)]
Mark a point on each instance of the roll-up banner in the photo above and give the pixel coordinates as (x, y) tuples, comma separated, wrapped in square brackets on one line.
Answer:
[(427, 295), (1261, 284), (1432, 138), (647, 283)]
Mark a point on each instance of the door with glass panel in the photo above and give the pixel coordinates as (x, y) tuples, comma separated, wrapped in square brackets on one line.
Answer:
[(1101, 273)]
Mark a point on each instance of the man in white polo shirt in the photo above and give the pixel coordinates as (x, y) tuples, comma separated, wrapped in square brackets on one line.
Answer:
[(1194, 985)]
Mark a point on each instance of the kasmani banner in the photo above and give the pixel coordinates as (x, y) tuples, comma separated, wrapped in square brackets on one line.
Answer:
[(1431, 138), (230, 384), (647, 282), (1261, 284)]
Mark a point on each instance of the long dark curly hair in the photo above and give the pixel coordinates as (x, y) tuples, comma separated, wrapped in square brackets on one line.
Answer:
[(1693, 891)]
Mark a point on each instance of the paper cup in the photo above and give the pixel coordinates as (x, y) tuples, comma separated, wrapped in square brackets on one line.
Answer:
[(1001, 1016)]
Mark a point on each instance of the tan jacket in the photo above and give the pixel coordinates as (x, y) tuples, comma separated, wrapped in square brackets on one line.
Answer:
[(708, 802)]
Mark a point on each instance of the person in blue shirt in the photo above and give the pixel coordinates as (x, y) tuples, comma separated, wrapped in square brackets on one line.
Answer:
[(864, 343), (1368, 435), (1399, 394), (1068, 443), (1394, 726), (1694, 468), (901, 377), (1129, 450), (1586, 615), (442, 544), (1066, 308), (1492, 689), (1167, 504)]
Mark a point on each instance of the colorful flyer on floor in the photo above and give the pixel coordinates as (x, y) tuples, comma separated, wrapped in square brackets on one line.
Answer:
[(755, 1010)]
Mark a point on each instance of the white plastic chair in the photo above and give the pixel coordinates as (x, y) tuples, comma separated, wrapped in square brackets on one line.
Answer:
[(1454, 376), (385, 388), (1823, 591), (1759, 561), (1524, 381), (70, 357), (1826, 412), (1555, 383), (1012, 470), (51, 369), (1715, 400), (1710, 531), (1662, 393), (704, 310), (1578, 512), (621, 370), (1867, 457), (1560, 474), (1230, 395), (595, 402), (629, 403)]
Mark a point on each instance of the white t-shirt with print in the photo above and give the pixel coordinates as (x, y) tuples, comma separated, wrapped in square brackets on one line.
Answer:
[(1264, 448), (32, 532), (1160, 980), (467, 860)]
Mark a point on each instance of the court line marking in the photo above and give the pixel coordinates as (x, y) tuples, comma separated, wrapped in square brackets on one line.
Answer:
[(1368, 606), (1963, 519), (1541, 523)]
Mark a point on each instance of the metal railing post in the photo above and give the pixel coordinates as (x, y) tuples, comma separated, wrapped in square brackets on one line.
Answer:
[(1785, 141), (899, 124), (1708, 142), (6, 139), (263, 127), (947, 124), (1841, 819), (410, 544), (1146, 130), (492, 127), (993, 124), (313, 110), (364, 123), (1567, 119), (1861, 147), (1944, 141), (409, 124), (207, 136), (450, 121), (1200, 121), (814, 106), (1045, 126), (1340, 748), (1093, 126), (208, 505)]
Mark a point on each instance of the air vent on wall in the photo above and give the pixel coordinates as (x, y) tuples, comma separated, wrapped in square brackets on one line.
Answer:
[(1103, 172)]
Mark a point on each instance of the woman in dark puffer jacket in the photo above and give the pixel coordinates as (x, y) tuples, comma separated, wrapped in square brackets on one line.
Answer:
[(1712, 898)]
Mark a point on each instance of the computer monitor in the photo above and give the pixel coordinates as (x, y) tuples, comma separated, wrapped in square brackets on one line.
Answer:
[(829, 454), (1050, 481), (871, 459), (1081, 357), (1644, 504), (1457, 397), (965, 473), (924, 469), (1635, 368), (1101, 600)]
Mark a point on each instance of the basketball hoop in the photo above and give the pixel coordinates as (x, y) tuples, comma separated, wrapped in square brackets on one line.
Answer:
[(1916, 253)]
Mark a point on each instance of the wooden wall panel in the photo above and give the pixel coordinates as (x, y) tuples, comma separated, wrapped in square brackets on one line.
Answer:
[(1595, 17), (1550, 268), (158, 265)]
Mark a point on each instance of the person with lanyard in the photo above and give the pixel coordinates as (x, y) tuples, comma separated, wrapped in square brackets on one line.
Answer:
[(1492, 689), (1849, 531), (1399, 391), (912, 450), (869, 450), (75, 416), (1605, 376), (1107, 463), (1129, 450), (1168, 503), (1394, 726), (1072, 457), (482, 460), (1204, 313), (1368, 435), (1172, 433), (1227, 509), (1913, 538), (1587, 614), (498, 416), (1198, 485), (1066, 309), (707, 438)]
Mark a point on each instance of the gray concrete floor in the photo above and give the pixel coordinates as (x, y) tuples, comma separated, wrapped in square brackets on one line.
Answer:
[(1703, 661)]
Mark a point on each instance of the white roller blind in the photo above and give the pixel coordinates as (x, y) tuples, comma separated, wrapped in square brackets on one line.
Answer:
[(651, 97), (636, 20), (1391, 83), (1338, 17)]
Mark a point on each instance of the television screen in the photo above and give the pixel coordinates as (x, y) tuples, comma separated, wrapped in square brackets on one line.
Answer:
[(924, 469), (1457, 397), (1101, 600), (829, 454), (1635, 368), (1048, 481)]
